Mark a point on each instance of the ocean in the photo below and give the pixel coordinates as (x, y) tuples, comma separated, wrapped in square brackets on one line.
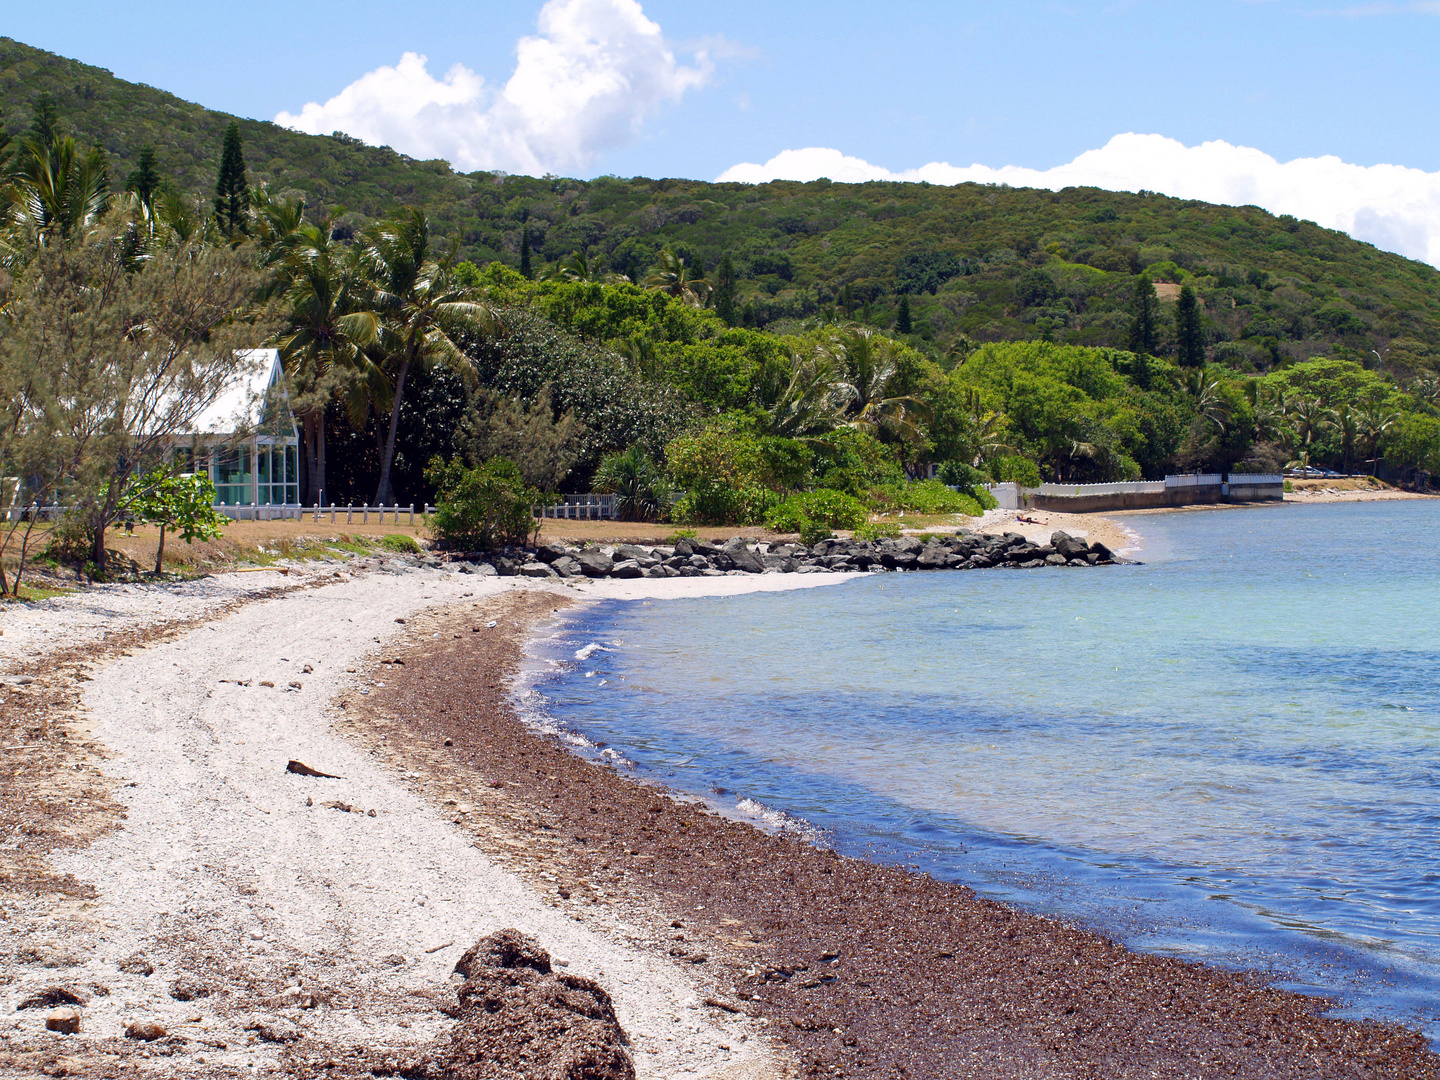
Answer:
[(1230, 753)]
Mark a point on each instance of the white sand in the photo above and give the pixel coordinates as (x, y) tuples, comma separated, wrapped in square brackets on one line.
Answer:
[(222, 867)]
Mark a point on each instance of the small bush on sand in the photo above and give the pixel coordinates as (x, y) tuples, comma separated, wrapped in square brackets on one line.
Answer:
[(481, 508), (403, 545)]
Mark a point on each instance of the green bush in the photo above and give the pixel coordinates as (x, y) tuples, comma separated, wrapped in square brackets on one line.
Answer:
[(641, 491), (1289, 487), (878, 530), (833, 509), (681, 534), (481, 508), (717, 503), (812, 531), (1014, 469), (401, 544)]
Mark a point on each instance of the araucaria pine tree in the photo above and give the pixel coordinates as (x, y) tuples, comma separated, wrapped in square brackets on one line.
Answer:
[(1142, 316), (525, 268), (145, 181), (725, 291), (232, 192), (1189, 337), (903, 322)]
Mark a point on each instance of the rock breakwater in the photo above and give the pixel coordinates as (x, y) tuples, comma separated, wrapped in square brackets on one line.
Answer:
[(697, 558)]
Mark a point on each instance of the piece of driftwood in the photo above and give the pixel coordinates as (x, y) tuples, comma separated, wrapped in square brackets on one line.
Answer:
[(302, 769)]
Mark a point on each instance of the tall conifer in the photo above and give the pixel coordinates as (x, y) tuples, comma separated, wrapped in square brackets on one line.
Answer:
[(232, 191), (1189, 337), (145, 181), (525, 268), (725, 291), (903, 323), (1143, 303)]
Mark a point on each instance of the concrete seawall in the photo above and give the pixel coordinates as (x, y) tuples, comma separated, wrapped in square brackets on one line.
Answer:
[(1174, 491)]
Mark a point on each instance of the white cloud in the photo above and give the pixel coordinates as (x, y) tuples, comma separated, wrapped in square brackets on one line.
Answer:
[(585, 83), (1391, 206)]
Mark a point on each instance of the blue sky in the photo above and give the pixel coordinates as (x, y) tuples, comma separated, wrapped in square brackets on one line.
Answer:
[(701, 88)]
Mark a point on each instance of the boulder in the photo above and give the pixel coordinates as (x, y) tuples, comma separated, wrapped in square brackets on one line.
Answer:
[(742, 558), (1055, 559), (549, 553), (628, 568), (536, 569), (1070, 546), (566, 566), (933, 557), (1104, 553), (594, 563), (629, 551)]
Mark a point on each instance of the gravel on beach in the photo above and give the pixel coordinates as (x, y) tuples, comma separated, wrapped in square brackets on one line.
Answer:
[(862, 970)]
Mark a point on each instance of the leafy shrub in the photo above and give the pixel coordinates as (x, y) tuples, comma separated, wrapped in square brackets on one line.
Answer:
[(854, 462), (401, 544), (1289, 487), (719, 504), (481, 508), (681, 534), (833, 509), (878, 530), (1014, 469), (641, 490), (812, 531)]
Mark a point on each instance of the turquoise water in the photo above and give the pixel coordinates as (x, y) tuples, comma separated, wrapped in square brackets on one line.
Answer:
[(1229, 753)]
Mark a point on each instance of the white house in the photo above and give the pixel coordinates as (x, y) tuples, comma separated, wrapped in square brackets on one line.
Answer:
[(247, 439)]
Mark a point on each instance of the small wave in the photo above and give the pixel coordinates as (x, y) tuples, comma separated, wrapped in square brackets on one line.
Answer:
[(767, 817), (590, 650)]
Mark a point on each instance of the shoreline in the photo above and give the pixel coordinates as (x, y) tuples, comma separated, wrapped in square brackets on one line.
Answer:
[(840, 952), (847, 967)]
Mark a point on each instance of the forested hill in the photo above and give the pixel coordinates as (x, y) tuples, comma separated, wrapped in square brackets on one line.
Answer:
[(944, 266)]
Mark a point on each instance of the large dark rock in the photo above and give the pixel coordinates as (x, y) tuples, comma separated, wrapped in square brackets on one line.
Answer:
[(594, 563), (1070, 546), (548, 553), (742, 558), (518, 1018), (933, 557), (565, 566), (1104, 553), (684, 547), (630, 551), (627, 569)]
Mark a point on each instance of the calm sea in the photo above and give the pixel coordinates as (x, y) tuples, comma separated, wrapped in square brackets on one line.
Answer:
[(1229, 753)]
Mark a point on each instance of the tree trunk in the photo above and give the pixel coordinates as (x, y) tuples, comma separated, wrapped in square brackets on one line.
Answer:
[(97, 548), (160, 551), (312, 483), (385, 495), (320, 457)]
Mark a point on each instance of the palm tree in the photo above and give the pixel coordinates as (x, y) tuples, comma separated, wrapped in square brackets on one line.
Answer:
[(867, 365), (1310, 419), (329, 331), (1347, 426), (991, 428), (576, 267), (1267, 413), (671, 276), (1373, 422), (422, 309), (1208, 398), (799, 399), (57, 190), (275, 222)]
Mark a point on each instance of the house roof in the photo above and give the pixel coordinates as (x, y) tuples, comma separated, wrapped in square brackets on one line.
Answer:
[(241, 404)]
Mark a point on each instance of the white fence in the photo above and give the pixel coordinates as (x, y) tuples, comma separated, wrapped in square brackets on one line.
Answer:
[(587, 507), (1194, 480)]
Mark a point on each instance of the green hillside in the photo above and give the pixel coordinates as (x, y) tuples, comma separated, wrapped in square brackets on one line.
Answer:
[(978, 263)]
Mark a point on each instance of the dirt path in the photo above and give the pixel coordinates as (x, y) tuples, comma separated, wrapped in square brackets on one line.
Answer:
[(282, 904)]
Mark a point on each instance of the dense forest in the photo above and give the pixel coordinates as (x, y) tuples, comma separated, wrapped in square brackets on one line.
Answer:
[(803, 355), (944, 267)]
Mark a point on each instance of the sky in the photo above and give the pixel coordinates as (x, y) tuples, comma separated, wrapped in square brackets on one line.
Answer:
[(1325, 111)]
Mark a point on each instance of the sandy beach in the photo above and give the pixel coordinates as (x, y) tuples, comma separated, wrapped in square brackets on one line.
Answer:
[(306, 926)]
